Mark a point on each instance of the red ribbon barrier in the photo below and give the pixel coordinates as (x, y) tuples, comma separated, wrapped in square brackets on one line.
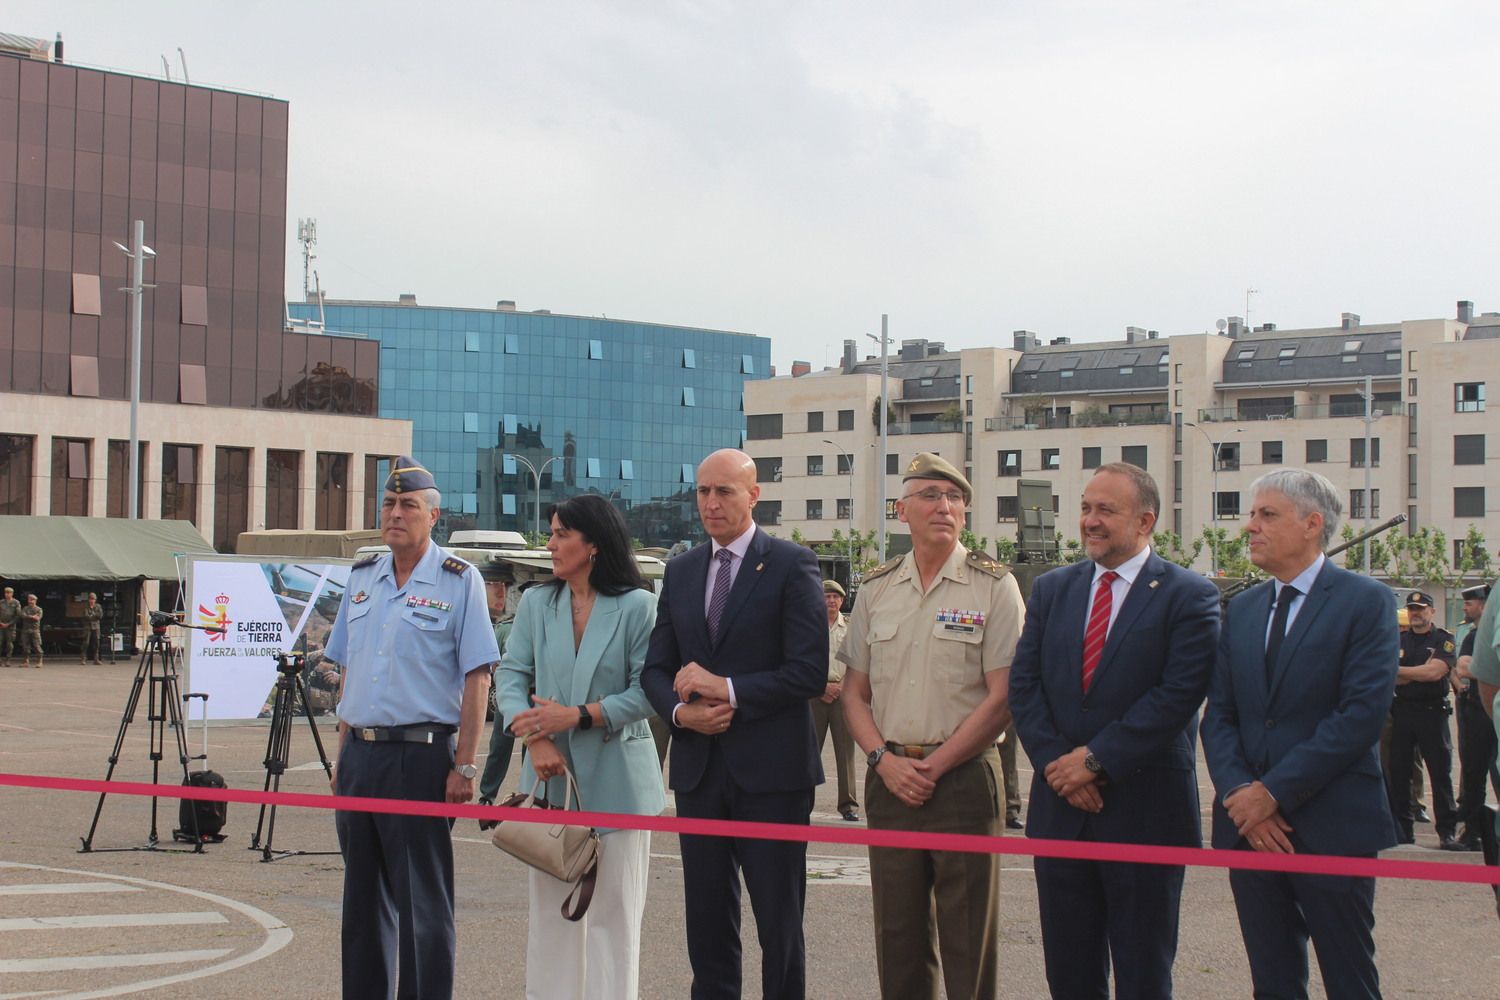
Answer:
[(1312, 864)]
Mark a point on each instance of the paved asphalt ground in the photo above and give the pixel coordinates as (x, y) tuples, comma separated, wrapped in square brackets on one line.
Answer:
[(224, 924)]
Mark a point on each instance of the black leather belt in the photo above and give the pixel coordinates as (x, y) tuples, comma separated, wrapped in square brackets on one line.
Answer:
[(425, 732)]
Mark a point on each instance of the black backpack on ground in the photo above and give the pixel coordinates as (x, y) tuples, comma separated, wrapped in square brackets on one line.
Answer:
[(201, 820)]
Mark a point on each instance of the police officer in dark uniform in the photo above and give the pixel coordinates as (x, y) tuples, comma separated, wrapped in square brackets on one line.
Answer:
[(1476, 735), (1419, 719), (413, 635)]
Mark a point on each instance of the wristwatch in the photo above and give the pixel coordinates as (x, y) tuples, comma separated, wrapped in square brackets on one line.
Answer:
[(466, 770), (876, 754), (1092, 765), (585, 720)]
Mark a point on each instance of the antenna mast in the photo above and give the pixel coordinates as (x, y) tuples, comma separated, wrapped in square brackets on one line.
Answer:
[(307, 235)]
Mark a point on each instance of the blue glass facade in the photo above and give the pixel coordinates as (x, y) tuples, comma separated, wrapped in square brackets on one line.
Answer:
[(623, 409)]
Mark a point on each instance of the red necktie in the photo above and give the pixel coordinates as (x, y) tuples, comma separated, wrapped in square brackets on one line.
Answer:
[(1098, 630)]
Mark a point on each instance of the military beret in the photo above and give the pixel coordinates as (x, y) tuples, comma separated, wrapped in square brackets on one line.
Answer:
[(408, 476), (834, 587), (1418, 599), (926, 465), (1478, 592), (1401, 619)]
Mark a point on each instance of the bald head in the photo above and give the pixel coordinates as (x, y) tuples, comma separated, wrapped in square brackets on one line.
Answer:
[(726, 494)]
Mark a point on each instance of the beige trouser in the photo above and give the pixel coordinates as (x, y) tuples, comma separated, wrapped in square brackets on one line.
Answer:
[(938, 907), (830, 718)]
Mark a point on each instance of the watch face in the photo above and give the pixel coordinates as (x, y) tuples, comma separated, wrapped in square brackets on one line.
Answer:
[(467, 770)]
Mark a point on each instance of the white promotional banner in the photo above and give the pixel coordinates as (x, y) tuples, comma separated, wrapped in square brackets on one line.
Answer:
[(266, 607)]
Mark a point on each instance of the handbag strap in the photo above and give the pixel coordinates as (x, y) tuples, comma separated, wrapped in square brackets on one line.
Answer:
[(577, 902)]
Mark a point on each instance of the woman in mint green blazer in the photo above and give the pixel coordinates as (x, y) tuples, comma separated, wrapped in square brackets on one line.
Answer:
[(579, 642)]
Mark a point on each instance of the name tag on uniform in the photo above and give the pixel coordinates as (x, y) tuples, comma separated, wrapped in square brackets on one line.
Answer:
[(427, 602), (955, 621)]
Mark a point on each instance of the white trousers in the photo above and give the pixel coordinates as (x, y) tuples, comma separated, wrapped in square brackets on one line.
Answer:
[(598, 957)]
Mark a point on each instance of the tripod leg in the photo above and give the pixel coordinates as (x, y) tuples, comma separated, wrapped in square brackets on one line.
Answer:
[(278, 753), (142, 672), (171, 693), (313, 725)]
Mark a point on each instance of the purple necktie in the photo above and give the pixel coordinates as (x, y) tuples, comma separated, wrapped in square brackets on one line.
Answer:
[(720, 596)]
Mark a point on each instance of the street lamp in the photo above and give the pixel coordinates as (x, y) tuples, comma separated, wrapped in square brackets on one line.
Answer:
[(137, 252), (884, 340), (536, 477), (1213, 507), (850, 457)]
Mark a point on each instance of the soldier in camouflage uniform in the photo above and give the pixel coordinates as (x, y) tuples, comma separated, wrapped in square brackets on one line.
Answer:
[(93, 615), (10, 618), (31, 631)]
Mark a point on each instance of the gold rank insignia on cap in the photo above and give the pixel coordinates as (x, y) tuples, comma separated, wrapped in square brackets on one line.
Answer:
[(408, 475)]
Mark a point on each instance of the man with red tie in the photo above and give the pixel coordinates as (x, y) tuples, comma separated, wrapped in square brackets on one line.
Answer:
[(1113, 662)]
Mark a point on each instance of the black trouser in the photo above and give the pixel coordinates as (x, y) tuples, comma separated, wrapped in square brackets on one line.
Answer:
[(1424, 725), (1476, 756)]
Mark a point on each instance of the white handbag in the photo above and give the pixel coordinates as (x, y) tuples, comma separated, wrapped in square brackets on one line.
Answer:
[(567, 853)]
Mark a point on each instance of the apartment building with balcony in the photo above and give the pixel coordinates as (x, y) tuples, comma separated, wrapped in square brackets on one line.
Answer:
[(1204, 413)]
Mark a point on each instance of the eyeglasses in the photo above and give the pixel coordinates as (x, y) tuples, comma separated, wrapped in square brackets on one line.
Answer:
[(933, 495)]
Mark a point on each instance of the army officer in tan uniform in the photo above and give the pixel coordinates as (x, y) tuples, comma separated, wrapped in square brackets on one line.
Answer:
[(929, 651)]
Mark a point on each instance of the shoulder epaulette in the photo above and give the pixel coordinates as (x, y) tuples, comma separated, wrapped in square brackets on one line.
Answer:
[(984, 564), (882, 569), (457, 566), (368, 560)]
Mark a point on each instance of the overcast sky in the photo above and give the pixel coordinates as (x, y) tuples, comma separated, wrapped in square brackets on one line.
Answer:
[(796, 169)]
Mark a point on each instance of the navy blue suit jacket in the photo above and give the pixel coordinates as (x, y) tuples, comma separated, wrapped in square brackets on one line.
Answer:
[(1312, 737), (773, 643), (1139, 716)]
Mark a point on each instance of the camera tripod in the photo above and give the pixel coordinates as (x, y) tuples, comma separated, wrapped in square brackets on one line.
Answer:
[(290, 691), (156, 675)]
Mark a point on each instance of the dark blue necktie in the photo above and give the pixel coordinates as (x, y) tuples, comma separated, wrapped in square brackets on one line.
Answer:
[(720, 597), (1278, 628)]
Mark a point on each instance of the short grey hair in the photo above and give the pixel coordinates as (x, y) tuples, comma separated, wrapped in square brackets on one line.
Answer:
[(431, 497), (1308, 492)]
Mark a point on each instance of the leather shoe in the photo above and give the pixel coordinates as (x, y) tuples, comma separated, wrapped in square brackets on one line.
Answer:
[(1014, 823), (850, 815), (487, 824), (1423, 816), (1451, 843), (1405, 838)]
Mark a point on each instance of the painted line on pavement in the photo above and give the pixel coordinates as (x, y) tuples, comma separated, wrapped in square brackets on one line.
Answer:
[(75, 963), (63, 888), (92, 920)]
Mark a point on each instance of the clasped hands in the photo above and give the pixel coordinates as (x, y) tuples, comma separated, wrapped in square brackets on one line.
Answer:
[(536, 726), (705, 700), (1074, 782), (1254, 812)]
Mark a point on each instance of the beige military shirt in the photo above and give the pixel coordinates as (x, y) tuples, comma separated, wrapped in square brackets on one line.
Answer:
[(926, 654), (836, 634)]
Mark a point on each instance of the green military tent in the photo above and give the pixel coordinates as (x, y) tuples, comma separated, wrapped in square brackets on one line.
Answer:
[(95, 548)]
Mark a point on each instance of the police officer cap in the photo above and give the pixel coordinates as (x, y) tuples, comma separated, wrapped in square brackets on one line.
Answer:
[(407, 476), (926, 465), (833, 587), (496, 571), (1418, 599), (1478, 592)]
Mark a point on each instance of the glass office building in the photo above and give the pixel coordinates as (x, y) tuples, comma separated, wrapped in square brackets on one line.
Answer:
[(623, 409)]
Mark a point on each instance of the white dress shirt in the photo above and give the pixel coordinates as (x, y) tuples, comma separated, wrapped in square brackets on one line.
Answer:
[(1125, 575)]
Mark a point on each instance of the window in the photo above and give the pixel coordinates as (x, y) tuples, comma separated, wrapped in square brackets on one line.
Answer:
[(767, 513), (1411, 387), (1317, 450), (15, 473), (1287, 353), (1009, 508), (1356, 504), (85, 294), (512, 344), (1010, 463), (192, 384), (1177, 481), (627, 468), (1270, 453), (1227, 504), (331, 489), (1051, 458), (924, 383), (116, 498), (968, 383), (377, 471), (687, 474), (1244, 354), (471, 422), (747, 364), (1468, 449), (194, 305), (1374, 503), (591, 468), (845, 509), (471, 341), (179, 482), (1357, 453), (814, 465), (891, 513), (1411, 475), (892, 464), (1468, 501), (689, 398), (70, 477), (846, 420), (815, 421), (84, 375), (846, 464), (762, 427), (815, 510), (283, 493), (1134, 454), (510, 423), (1468, 397), (968, 407), (1065, 373), (768, 470), (689, 358), (1092, 458), (1127, 370), (507, 504), (231, 496), (596, 350), (508, 465), (1227, 456), (1411, 425)]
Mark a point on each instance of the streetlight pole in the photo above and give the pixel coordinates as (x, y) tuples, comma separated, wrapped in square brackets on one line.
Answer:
[(1213, 506), (885, 404), (850, 457), (1370, 416), (536, 477), (137, 252)]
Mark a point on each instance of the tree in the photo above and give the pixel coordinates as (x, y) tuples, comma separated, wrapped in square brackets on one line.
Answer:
[(890, 414), (1005, 549), (1171, 548), (973, 542)]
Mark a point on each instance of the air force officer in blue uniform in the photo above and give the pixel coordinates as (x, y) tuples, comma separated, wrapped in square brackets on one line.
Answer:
[(413, 634), (1305, 674)]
